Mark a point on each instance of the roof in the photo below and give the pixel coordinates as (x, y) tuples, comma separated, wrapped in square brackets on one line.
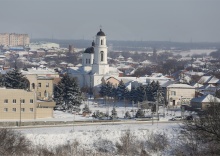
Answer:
[(89, 50), (180, 86), (100, 33), (214, 80), (206, 98), (204, 79)]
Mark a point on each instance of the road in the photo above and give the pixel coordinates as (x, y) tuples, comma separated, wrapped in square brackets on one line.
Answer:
[(84, 123)]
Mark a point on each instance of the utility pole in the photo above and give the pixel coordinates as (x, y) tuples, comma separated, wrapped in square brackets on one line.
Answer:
[(20, 114), (157, 106)]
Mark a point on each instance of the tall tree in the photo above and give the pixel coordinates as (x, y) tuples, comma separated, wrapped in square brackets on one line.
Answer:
[(133, 94), (149, 92), (121, 90), (141, 94), (14, 79), (103, 89), (67, 93)]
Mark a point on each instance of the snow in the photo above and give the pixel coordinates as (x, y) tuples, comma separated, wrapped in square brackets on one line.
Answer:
[(180, 86), (88, 134), (196, 52)]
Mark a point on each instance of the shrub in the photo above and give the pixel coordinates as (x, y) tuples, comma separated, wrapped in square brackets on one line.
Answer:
[(13, 143)]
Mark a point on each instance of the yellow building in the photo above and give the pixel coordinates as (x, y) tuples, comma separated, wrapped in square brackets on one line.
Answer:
[(33, 104)]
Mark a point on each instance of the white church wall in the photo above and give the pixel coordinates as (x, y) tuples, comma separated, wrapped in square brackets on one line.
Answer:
[(87, 59)]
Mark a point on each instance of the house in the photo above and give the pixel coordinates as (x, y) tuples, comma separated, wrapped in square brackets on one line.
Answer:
[(178, 94), (203, 102)]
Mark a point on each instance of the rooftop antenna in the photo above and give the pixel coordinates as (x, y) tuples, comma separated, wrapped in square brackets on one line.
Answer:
[(100, 26)]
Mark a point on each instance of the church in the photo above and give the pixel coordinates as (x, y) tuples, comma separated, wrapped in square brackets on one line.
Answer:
[(94, 64)]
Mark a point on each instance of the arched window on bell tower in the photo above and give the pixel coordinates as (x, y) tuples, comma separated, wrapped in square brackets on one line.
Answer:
[(101, 42), (102, 56)]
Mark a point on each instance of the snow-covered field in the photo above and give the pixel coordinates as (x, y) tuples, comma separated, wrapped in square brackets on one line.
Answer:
[(87, 135)]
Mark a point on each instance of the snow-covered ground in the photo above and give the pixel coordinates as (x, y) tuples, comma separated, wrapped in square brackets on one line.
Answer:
[(121, 108), (86, 135)]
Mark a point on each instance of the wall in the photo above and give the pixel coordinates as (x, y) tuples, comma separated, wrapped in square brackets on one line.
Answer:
[(181, 94), (17, 94), (44, 112)]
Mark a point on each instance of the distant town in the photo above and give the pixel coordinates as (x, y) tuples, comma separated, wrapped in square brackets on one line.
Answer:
[(64, 81)]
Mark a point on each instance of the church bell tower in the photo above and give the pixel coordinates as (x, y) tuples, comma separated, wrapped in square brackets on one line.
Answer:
[(100, 64)]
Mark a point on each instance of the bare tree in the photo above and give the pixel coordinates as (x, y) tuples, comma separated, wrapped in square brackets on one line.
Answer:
[(13, 143), (206, 128)]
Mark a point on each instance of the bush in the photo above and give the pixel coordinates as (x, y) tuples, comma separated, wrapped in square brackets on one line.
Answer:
[(104, 145), (157, 142), (127, 145), (13, 143)]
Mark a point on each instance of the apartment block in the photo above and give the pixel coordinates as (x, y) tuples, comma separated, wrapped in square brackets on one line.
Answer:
[(12, 39)]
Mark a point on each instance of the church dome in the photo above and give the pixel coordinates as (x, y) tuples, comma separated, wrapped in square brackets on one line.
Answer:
[(100, 33), (89, 50)]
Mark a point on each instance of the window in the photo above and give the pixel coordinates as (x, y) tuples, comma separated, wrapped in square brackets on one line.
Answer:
[(86, 61), (14, 109), (31, 109), (102, 55), (6, 101), (173, 93), (22, 100), (5, 109), (33, 86), (101, 42), (39, 93), (45, 93), (14, 101), (89, 61), (47, 84), (39, 84), (31, 101), (22, 109)]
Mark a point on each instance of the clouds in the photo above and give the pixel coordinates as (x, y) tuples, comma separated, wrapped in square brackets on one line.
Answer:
[(121, 19)]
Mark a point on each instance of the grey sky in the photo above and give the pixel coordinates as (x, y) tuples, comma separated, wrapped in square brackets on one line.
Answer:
[(149, 20)]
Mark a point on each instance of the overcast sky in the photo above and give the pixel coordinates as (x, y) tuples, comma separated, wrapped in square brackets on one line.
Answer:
[(147, 20)]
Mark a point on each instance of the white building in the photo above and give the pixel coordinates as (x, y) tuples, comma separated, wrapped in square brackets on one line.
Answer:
[(94, 64)]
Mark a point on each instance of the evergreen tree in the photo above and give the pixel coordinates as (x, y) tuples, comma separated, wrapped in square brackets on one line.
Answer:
[(127, 115), (148, 91), (121, 90), (103, 89), (159, 96), (133, 94), (109, 89), (113, 92), (114, 113), (67, 93), (127, 94), (14, 79), (141, 94), (140, 114)]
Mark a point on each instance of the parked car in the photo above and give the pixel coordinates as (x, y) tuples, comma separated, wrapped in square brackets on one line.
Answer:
[(176, 118)]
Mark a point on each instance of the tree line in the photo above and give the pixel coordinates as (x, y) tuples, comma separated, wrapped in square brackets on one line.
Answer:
[(151, 92)]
